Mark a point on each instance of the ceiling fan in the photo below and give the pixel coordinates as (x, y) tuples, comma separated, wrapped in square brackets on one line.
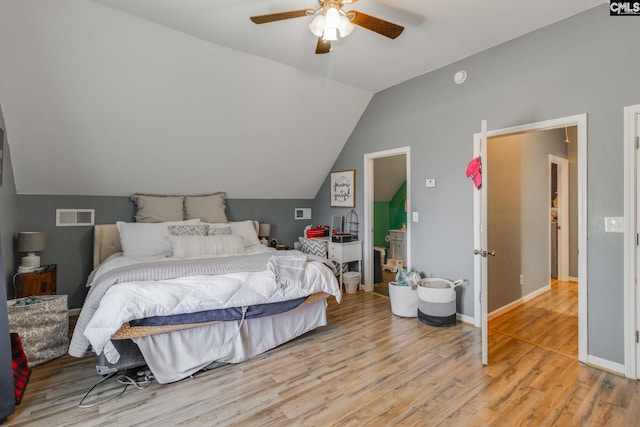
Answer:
[(332, 21)]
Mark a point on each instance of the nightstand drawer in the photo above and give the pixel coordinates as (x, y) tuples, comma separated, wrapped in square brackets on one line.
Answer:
[(345, 252), (41, 282)]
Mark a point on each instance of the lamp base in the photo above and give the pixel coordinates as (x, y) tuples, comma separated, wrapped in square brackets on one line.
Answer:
[(30, 262)]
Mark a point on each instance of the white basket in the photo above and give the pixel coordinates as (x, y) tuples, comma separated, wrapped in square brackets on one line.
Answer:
[(437, 301), (404, 300)]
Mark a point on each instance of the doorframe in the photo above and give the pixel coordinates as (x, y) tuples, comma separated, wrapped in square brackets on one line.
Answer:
[(368, 210), (579, 120), (631, 307), (563, 215)]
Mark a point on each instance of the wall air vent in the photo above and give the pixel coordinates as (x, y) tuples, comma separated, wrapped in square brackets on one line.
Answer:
[(74, 217)]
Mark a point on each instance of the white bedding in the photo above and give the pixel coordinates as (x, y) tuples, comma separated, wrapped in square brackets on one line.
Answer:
[(123, 302)]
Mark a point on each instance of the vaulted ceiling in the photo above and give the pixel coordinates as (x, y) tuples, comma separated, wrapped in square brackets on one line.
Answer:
[(111, 97)]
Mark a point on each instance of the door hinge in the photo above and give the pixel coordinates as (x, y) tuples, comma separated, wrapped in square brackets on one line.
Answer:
[(637, 142), (637, 239), (637, 337)]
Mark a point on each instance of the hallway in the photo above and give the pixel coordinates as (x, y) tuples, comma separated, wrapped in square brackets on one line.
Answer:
[(549, 321)]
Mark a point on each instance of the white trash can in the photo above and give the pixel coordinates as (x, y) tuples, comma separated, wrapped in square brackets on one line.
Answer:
[(404, 300), (437, 301), (351, 280)]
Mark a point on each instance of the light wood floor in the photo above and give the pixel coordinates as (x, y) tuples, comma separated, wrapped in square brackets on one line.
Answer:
[(367, 367), (549, 320)]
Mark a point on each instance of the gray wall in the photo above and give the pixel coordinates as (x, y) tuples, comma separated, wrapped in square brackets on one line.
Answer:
[(571, 67), (518, 200), (7, 209), (71, 248)]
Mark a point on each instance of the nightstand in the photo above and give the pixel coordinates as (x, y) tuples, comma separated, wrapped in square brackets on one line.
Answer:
[(39, 282)]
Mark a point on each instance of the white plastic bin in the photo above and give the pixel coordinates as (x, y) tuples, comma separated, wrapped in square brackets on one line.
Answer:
[(404, 300), (351, 280)]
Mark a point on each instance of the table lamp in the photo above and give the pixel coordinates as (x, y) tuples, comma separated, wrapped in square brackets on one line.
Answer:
[(263, 233), (30, 242)]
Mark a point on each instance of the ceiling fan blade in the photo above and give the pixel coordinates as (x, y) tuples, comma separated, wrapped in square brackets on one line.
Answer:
[(380, 26), (279, 16), (323, 46)]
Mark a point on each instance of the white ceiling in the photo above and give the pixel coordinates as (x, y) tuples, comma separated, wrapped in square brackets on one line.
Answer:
[(111, 97)]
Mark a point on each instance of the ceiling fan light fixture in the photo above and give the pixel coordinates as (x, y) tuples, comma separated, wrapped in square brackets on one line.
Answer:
[(332, 18), (345, 27), (317, 25), (330, 34)]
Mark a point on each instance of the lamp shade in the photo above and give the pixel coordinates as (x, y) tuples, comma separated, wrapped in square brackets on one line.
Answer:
[(264, 230), (31, 241)]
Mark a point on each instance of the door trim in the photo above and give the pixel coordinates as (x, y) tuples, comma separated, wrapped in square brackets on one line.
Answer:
[(579, 120), (631, 118), (368, 210)]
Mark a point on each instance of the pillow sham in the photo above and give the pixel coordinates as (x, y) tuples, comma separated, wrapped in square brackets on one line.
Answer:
[(208, 208), (141, 239), (247, 231), (195, 246), (219, 229), (152, 208), (189, 230)]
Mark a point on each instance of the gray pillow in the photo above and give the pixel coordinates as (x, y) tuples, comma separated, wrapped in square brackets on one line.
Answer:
[(188, 230), (151, 208), (209, 208)]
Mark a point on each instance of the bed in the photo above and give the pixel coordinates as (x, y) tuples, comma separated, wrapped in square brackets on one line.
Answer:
[(195, 308)]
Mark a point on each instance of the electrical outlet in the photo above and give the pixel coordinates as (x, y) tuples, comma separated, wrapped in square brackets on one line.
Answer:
[(521, 279), (430, 183)]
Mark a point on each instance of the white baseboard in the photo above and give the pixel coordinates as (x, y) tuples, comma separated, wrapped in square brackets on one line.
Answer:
[(604, 364), (518, 302), (573, 279), (466, 319)]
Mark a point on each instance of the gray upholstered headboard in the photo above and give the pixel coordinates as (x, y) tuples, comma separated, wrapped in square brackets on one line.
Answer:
[(106, 241)]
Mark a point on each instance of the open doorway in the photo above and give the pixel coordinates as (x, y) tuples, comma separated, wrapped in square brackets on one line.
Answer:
[(528, 218), (533, 275), (387, 203)]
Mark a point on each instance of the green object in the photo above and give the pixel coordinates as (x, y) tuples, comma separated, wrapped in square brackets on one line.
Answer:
[(407, 278), (28, 301)]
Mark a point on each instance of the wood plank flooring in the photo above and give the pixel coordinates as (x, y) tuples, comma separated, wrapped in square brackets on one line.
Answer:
[(367, 367), (549, 320)]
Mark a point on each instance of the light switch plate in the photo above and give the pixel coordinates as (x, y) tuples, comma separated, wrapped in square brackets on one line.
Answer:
[(614, 224)]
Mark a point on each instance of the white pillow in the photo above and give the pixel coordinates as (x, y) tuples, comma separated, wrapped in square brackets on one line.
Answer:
[(140, 239), (195, 246), (247, 231)]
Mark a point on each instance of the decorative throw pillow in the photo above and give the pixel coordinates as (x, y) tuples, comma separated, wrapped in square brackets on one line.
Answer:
[(196, 246), (147, 239), (152, 208), (246, 230), (219, 229), (208, 208), (189, 230)]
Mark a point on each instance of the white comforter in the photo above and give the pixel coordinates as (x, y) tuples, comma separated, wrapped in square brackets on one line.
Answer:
[(123, 302)]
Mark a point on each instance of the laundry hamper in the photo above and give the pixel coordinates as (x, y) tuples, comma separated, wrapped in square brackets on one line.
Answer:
[(437, 301)]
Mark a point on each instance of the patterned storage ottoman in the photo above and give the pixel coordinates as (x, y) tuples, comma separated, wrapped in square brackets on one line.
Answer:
[(43, 325)]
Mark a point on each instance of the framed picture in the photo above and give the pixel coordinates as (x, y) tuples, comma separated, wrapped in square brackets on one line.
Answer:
[(1, 153), (343, 189)]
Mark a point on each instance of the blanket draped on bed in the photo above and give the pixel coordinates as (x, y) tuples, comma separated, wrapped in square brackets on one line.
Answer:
[(287, 272)]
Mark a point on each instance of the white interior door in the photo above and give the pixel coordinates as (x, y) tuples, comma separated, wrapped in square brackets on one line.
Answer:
[(480, 241), (631, 239), (562, 210)]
